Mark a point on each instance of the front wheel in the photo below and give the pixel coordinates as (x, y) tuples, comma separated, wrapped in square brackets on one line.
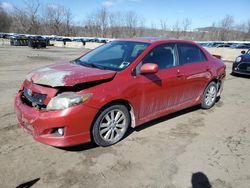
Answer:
[(209, 96), (111, 125)]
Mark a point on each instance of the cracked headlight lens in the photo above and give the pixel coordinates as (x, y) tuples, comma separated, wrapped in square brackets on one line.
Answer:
[(66, 100)]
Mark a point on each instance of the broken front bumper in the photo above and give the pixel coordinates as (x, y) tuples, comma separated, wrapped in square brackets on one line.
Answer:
[(76, 121)]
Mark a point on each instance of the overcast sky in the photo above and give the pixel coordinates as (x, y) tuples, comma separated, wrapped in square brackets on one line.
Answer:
[(201, 13)]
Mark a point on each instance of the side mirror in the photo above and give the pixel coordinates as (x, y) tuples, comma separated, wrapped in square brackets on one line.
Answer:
[(149, 68), (243, 52)]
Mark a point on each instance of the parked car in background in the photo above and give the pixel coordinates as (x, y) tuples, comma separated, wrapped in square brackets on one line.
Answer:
[(101, 40), (58, 38), (19, 40), (240, 46), (121, 84), (6, 35), (66, 40), (217, 44), (213, 44), (82, 40), (203, 44), (77, 40), (2, 35), (241, 66), (222, 46), (38, 42)]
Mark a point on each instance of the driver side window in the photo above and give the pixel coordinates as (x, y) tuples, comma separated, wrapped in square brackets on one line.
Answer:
[(162, 55)]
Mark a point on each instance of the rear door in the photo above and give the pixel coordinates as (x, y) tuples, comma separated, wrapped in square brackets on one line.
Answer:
[(194, 66)]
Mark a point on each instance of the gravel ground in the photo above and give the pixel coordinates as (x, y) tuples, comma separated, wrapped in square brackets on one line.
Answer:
[(173, 151)]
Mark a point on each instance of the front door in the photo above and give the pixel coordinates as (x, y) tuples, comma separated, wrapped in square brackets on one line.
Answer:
[(163, 89)]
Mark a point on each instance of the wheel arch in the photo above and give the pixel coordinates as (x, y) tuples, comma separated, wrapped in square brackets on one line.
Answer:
[(217, 81), (214, 79), (124, 102)]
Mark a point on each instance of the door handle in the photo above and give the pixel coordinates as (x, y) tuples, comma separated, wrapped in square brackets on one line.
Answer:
[(180, 75)]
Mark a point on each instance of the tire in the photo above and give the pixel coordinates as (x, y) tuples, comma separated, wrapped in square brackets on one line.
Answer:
[(111, 125), (235, 74), (209, 96)]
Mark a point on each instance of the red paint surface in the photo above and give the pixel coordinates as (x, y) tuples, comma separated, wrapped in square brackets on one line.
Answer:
[(76, 74), (150, 95)]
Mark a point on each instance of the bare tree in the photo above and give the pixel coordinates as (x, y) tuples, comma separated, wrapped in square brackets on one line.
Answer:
[(97, 23), (131, 23), (53, 19), (163, 23), (141, 27), (5, 21), (58, 20), (91, 26), (115, 24), (27, 20), (32, 11), (248, 27), (102, 19), (185, 29), (214, 32), (226, 25), (68, 22), (186, 24), (176, 30), (20, 22)]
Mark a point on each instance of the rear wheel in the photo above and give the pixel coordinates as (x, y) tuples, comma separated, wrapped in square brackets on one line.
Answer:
[(111, 125), (209, 96)]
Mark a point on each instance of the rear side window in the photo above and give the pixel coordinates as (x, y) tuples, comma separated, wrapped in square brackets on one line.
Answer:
[(189, 53)]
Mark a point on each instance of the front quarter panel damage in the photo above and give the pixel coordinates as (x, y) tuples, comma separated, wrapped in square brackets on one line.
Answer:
[(48, 76), (68, 74)]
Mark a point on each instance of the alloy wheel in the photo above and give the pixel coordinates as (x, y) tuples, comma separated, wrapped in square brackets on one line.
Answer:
[(112, 125)]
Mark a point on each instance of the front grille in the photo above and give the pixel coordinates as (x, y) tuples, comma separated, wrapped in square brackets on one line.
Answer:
[(244, 66), (33, 99)]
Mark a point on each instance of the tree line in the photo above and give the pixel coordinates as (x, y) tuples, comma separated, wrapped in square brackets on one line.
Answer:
[(52, 19)]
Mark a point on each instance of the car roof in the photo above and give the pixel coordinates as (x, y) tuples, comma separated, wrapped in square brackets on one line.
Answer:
[(152, 40)]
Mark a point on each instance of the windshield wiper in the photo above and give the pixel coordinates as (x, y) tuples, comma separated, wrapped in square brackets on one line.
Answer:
[(79, 62), (93, 65), (76, 61)]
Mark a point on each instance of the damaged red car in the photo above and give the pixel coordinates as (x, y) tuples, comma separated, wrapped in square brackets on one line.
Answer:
[(119, 85)]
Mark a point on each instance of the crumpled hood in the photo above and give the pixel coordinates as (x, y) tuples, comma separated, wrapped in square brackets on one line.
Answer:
[(67, 74)]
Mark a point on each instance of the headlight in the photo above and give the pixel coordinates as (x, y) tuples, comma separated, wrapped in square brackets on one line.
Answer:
[(238, 59), (66, 100)]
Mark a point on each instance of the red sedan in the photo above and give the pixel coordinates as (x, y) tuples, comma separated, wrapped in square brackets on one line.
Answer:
[(122, 84)]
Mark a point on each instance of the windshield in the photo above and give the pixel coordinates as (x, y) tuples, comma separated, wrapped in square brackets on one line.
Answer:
[(116, 55)]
